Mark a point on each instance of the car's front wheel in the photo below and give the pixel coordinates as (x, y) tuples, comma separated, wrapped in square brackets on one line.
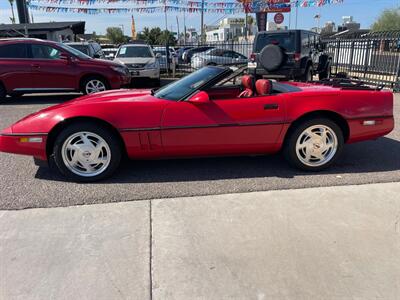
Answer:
[(314, 144), (308, 75), (3, 93), (86, 152), (326, 74), (92, 85)]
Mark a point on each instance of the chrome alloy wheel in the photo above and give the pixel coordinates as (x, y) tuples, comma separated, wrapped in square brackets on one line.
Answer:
[(94, 86), (86, 154), (316, 145)]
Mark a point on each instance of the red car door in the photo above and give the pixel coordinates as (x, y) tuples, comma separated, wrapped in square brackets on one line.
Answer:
[(49, 71), (226, 126)]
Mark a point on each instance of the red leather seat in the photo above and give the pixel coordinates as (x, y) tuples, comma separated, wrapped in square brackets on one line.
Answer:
[(263, 87), (248, 84)]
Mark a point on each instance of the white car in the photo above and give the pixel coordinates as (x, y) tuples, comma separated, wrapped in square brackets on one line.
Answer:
[(173, 59), (140, 60)]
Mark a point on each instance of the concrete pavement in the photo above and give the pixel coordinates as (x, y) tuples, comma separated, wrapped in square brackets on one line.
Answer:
[(319, 243)]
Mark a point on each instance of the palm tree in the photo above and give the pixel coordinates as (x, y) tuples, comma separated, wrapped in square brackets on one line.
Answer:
[(12, 10)]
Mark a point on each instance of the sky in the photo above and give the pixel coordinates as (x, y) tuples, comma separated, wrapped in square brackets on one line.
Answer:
[(363, 11)]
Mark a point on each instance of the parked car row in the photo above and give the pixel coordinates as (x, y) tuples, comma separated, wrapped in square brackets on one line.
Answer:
[(33, 65)]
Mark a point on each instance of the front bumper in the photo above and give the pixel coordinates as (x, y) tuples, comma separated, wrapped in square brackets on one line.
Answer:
[(33, 144), (145, 73)]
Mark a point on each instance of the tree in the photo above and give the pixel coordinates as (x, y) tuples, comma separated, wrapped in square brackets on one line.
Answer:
[(250, 23), (389, 20), (115, 35), (156, 36), (12, 19)]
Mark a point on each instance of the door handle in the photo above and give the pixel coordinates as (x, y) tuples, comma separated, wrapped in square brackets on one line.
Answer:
[(271, 106), (35, 66)]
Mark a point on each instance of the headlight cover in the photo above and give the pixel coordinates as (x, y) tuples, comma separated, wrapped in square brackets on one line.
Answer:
[(120, 69), (153, 65)]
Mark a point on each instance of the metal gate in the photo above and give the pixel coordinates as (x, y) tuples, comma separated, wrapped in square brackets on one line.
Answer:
[(374, 57)]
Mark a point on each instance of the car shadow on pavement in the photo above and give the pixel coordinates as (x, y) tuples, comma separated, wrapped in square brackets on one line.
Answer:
[(382, 155)]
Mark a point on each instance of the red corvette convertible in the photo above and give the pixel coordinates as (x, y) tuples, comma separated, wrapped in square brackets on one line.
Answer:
[(203, 114)]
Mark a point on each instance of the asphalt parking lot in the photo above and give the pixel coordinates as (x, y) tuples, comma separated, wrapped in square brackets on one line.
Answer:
[(24, 185)]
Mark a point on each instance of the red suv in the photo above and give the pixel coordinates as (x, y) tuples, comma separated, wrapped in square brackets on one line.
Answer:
[(32, 66)]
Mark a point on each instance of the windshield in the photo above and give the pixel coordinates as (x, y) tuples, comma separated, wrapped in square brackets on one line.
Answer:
[(284, 40), (73, 51), (134, 51), (84, 49), (186, 86)]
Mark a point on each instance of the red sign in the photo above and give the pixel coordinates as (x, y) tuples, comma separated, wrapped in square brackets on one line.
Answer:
[(268, 6), (279, 18)]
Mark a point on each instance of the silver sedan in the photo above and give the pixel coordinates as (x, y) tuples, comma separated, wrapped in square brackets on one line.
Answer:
[(217, 57)]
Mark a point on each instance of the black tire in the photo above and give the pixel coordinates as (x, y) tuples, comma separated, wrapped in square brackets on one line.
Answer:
[(86, 81), (290, 151), (110, 138), (308, 74), (271, 57), (326, 74), (3, 93), (16, 95)]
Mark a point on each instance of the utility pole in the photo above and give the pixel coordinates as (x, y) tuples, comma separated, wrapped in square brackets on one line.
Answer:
[(297, 11), (202, 21), (177, 23), (165, 14), (12, 10), (184, 25), (23, 14), (246, 26)]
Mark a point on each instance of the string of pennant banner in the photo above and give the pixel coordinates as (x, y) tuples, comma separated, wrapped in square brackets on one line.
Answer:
[(176, 6)]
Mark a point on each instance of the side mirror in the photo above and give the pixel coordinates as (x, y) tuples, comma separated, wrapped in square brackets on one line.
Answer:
[(158, 55), (96, 55), (64, 56), (199, 98)]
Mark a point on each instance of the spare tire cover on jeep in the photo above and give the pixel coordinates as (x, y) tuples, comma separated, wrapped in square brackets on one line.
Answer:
[(271, 57)]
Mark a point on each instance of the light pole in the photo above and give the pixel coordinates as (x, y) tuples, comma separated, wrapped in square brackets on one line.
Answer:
[(202, 22), (165, 14)]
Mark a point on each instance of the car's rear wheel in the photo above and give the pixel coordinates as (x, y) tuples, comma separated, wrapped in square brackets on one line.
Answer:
[(93, 84), (86, 152), (314, 144)]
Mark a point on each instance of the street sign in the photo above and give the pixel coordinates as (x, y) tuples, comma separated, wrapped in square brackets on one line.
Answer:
[(279, 18), (270, 6)]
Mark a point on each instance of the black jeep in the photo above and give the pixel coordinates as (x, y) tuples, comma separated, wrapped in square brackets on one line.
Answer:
[(289, 54)]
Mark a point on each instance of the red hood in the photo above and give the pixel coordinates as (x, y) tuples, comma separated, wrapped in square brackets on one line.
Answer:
[(113, 95), (107, 96), (101, 62), (106, 105)]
